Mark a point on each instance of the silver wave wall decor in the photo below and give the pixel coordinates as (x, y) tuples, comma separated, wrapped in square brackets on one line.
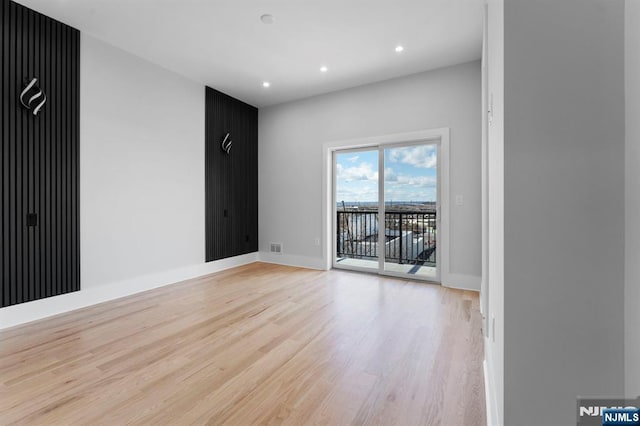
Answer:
[(33, 97), (226, 144)]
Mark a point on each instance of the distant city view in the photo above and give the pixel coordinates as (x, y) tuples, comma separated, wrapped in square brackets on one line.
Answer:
[(389, 205)]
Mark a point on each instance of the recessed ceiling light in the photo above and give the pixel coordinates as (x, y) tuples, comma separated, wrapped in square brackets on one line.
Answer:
[(267, 19), (324, 69), (266, 84), (399, 49)]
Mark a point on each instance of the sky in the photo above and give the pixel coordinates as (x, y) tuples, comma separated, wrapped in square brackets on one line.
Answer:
[(410, 175)]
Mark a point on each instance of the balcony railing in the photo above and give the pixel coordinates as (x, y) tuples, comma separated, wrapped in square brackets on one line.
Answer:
[(410, 236)]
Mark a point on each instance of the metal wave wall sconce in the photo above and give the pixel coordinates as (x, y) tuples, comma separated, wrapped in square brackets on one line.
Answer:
[(37, 97), (226, 144)]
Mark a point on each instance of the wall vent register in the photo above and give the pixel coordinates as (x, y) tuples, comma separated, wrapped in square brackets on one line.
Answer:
[(276, 248)]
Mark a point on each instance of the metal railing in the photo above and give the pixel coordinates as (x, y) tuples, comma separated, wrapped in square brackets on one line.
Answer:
[(410, 236)]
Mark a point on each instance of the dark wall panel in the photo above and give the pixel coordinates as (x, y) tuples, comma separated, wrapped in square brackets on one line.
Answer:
[(231, 179), (39, 157)]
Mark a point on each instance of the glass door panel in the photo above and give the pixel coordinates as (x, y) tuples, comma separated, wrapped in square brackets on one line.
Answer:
[(410, 209), (356, 198)]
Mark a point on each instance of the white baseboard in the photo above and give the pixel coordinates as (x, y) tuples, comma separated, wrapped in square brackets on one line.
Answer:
[(293, 260), (26, 312), (462, 282), (481, 295), (458, 281), (491, 402)]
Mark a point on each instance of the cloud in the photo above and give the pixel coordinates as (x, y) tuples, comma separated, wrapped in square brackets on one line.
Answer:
[(422, 156), (407, 188), (390, 175), (362, 172), (418, 181), (364, 193), (357, 180)]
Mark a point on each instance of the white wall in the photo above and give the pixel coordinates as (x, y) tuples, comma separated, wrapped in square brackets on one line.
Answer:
[(291, 136), (494, 343), (142, 167), (564, 148), (632, 227)]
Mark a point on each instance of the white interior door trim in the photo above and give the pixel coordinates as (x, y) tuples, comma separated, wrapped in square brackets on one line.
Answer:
[(382, 212)]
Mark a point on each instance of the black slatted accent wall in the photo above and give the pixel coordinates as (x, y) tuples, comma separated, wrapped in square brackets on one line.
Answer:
[(231, 179), (39, 157)]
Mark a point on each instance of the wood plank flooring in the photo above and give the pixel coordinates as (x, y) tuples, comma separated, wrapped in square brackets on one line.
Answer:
[(259, 344)]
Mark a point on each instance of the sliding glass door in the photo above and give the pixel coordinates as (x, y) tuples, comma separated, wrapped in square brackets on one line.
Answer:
[(386, 202)]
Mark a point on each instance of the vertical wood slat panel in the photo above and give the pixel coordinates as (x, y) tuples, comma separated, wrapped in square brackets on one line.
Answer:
[(16, 292), (39, 157), (35, 161), (231, 183), (4, 172)]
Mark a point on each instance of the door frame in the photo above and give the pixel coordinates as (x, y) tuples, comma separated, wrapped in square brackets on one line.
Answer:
[(439, 136)]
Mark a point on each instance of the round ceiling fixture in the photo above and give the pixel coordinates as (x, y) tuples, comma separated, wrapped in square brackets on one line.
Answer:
[(399, 49), (324, 69), (267, 19), (266, 84)]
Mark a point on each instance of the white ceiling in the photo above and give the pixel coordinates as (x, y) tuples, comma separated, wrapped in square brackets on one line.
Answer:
[(223, 43)]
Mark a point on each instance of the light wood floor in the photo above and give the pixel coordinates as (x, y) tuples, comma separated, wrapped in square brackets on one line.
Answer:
[(256, 344)]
